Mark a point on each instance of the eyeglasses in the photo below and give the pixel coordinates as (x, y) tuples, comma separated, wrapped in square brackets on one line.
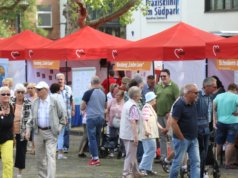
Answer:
[(194, 92), (5, 94), (39, 89), (20, 92), (163, 76)]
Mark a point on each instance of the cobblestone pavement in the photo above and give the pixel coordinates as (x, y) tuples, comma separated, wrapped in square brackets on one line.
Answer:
[(75, 167)]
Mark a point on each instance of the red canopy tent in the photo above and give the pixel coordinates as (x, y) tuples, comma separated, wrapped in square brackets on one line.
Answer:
[(19, 46), (180, 42), (87, 43), (224, 49)]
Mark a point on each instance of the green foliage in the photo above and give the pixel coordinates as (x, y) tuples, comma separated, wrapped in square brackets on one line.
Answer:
[(9, 11)]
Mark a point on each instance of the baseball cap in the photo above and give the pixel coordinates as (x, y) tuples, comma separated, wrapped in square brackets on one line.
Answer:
[(42, 84)]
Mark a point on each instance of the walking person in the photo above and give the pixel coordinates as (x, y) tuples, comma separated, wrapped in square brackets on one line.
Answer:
[(55, 92), (204, 110), (66, 93), (6, 132), (167, 92), (225, 121), (149, 133), (185, 132), (94, 103), (129, 132), (47, 120), (31, 95), (22, 114)]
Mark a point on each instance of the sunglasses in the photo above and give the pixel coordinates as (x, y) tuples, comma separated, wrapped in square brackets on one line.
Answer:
[(39, 89), (5, 94), (20, 92)]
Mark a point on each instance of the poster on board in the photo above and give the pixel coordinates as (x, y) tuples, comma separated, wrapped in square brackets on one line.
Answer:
[(3, 69), (81, 78)]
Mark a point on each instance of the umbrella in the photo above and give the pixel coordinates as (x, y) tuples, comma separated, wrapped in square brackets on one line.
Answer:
[(19, 46), (180, 42), (86, 43), (223, 49)]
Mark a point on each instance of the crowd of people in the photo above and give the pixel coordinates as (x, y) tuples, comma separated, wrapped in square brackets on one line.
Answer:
[(140, 118)]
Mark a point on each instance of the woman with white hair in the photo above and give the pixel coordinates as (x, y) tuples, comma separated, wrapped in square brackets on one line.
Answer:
[(129, 130), (148, 134), (22, 113), (6, 134)]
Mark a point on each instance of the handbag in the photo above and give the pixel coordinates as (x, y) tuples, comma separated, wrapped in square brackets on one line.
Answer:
[(116, 122)]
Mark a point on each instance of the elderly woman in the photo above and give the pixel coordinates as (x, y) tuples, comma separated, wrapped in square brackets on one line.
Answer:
[(6, 132), (8, 82), (22, 113), (129, 129), (114, 109), (148, 134)]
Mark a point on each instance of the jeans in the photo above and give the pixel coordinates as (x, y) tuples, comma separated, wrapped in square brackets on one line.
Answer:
[(94, 126), (66, 134), (203, 141), (60, 141), (140, 151), (180, 149), (149, 146)]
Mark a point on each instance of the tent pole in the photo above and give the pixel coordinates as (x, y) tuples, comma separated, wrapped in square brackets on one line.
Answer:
[(26, 69), (206, 68), (66, 71), (153, 68)]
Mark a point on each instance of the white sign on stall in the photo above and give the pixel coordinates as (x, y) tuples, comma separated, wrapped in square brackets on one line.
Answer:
[(81, 78)]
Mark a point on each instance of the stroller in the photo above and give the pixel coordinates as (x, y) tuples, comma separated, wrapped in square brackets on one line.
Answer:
[(212, 166), (107, 143)]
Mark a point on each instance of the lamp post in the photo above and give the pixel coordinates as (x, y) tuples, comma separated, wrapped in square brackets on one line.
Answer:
[(24, 4)]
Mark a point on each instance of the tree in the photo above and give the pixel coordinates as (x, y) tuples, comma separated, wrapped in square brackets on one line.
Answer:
[(9, 11), (77, 12), (95, 13)]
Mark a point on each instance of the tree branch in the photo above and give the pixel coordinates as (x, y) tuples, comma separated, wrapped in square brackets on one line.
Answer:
[(102, 20), (12, 6), (83, 13)]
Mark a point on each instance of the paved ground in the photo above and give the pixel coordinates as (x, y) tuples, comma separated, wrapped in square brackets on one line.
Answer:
[(75, 167)]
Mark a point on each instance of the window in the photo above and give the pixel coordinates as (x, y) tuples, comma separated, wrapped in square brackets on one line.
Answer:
[(44, 16), (220, 5)]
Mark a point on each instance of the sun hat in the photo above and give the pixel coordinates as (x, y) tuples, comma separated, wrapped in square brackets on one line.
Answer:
[(42, 84), (149, 96)]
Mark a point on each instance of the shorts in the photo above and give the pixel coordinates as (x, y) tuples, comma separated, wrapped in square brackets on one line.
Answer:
[(226, 133)]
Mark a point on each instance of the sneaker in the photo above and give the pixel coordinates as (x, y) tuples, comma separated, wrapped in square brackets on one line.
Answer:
[(61, 156), (19, 176), (152, 173), (65, 150), (111, 155), (82, 155), (94, 162)]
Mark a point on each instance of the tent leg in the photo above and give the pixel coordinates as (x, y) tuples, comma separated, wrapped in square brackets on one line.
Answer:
[(66, 71), (26, 70)]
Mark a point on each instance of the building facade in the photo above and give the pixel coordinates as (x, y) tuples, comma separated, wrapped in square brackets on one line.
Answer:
[(215, 16)]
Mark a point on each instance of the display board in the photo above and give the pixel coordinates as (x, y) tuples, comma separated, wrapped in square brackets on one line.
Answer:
[(81, 78)]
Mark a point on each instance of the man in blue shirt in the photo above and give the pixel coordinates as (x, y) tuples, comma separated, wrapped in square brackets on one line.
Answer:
[(184, 125), (94, 103), (204, 108)]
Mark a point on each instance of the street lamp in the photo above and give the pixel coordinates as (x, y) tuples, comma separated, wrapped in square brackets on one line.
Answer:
[(24, 4)]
